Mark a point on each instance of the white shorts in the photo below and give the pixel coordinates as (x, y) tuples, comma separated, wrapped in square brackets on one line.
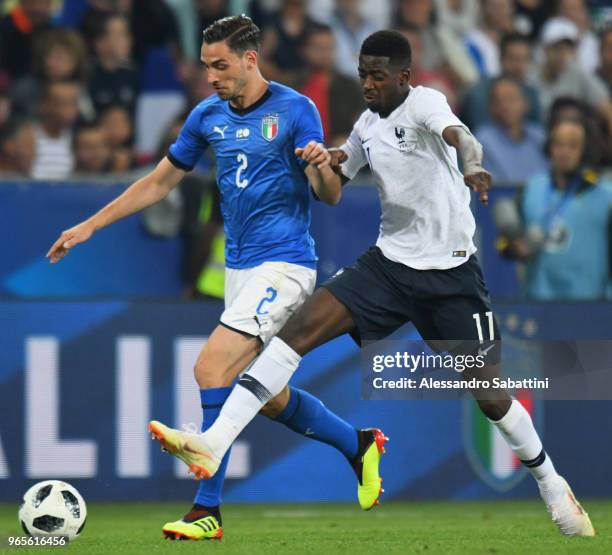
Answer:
[(259, 300)]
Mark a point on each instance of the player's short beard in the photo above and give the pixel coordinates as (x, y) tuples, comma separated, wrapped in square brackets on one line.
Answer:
[(238, 89)]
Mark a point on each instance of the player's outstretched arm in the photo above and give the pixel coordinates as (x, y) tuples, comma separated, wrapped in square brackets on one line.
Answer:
[(325, 182), (475, 176), (146, 191)]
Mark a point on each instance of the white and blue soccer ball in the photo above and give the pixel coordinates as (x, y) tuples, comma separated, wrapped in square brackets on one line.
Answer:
[(53, 508)]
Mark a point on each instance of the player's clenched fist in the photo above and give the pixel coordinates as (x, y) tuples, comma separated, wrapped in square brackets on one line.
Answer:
[(315, 154), (68, 239)]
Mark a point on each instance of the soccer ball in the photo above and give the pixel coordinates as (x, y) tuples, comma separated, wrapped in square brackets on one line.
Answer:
[(53, 508)]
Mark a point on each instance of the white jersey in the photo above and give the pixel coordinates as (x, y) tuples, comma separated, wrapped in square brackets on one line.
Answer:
[(426, 218)]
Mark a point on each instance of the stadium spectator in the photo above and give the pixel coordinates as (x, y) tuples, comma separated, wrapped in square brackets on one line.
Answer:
[(92, 154), (560, 73), (428, 78), (599, 132), (515, 52), (419, 15), (281, 40), (443, 49), (208, 11), (118, 127), (17, 31), (337, 97), (587, 51), (605, 67), (152, 24), (459, 16), (59, 111), (6, 104), (115, 79), (16, 147), (512, 146), (530, 16), (563, 212), (196, 215), (59, 55), (483, 42), (350, 29)]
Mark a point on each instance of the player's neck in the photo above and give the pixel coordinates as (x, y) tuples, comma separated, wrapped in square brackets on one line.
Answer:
[(396, 104), (250, 94)]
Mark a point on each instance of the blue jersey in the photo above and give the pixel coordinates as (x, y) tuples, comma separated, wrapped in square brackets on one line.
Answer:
[(265, 198)]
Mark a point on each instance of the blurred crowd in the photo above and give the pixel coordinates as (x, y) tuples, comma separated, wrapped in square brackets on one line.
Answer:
[(90, 87)]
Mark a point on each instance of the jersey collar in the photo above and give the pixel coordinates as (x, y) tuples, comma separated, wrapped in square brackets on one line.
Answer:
[(254, 106)]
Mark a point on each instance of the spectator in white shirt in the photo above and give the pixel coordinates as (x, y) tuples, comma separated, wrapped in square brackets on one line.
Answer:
[(53, 134), (483, 43)]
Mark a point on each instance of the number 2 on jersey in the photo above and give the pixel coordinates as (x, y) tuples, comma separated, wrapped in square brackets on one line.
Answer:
[(244, 164)]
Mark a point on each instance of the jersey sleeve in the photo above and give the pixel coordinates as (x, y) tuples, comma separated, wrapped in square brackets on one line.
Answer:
[(354, 151), (190, 144), (306, 123), (433, 112)]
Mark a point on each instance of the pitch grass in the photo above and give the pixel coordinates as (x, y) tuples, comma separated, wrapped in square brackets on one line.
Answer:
[(417, 527)]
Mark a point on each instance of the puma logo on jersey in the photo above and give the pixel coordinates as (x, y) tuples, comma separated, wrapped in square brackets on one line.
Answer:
[(220, 130)]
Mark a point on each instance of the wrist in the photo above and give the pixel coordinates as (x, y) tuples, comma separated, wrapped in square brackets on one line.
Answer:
[(94, 224), (471, 168)]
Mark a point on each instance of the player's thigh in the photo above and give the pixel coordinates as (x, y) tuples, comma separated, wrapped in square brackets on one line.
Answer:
[(319, 320), (453, 311), (266, 297), (225, 355), (454, 304), (369, 292)]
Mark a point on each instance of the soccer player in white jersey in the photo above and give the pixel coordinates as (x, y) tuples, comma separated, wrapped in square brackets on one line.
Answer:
[(422, 269), (267, 141)]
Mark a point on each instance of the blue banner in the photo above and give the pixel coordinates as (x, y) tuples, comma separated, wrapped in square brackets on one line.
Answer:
[(80, 380), (123, 260)]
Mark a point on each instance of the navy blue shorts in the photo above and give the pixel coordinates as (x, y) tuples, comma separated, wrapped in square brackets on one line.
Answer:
[(444, 305)]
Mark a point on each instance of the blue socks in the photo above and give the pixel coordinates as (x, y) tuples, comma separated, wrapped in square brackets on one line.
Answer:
[(304, 414), (307, 415), (209, 492)]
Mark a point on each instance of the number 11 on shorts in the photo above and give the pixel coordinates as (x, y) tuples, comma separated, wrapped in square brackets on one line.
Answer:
[(489, 316)]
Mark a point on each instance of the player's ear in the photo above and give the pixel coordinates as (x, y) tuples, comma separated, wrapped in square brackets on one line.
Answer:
[(404, 76), (251, 58)]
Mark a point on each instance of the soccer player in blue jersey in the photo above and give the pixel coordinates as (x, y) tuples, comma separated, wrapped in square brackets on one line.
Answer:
[(267, 141)]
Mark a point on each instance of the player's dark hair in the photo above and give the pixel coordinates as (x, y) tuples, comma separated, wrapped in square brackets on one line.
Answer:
[(389, 44), (512, 38), (239, 31)]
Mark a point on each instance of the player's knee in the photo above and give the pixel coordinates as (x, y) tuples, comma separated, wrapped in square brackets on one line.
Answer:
[(494, 409), (209, 371), (299, 333)]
